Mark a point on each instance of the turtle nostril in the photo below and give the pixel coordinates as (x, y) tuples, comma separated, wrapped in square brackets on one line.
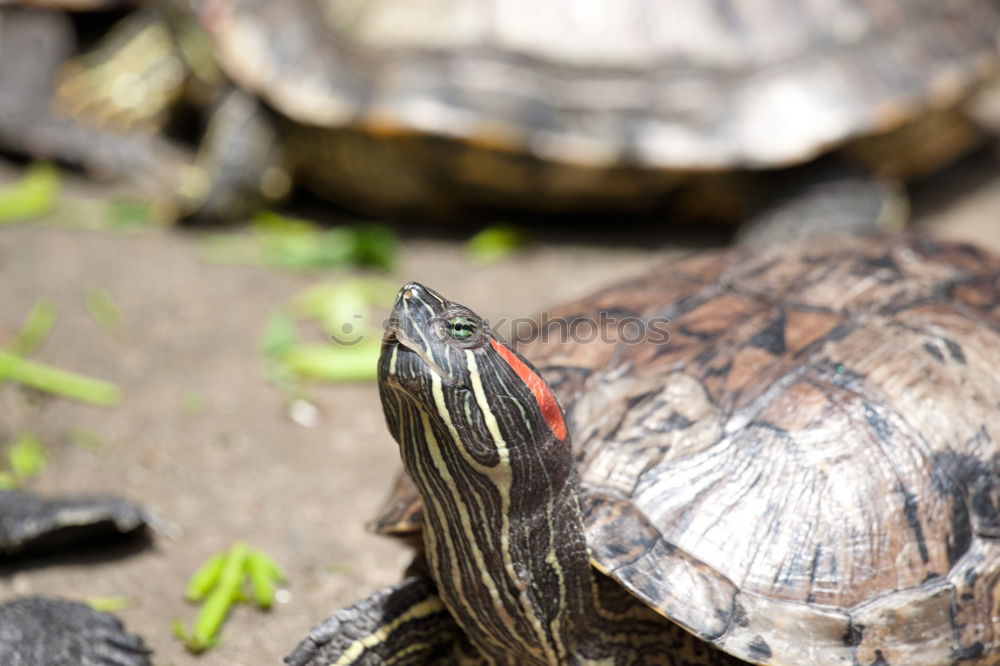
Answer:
[(409, 291)]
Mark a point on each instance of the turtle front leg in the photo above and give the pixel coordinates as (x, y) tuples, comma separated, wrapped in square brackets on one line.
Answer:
[(401, 624), (823, 198)]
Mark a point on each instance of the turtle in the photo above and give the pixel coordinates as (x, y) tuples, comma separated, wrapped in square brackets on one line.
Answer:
[(777, 454), (438, 108), (27, 125), (482, 106), (114, 110), (41, 631)]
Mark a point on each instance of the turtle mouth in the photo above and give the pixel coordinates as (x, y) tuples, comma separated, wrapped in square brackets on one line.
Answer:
[(407, 348), (394, 338)]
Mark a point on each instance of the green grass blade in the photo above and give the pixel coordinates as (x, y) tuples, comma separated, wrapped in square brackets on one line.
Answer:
[(102, 308), (495, 243), (226, 592), (8, 481), (55, 380), (336, 364), (27, 457), (36, 328), (205, 578), (279, 335), (260, 580), (111, 604), (32, 196)]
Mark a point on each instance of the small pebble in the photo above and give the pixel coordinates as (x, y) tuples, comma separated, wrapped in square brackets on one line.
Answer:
[(304, 413)]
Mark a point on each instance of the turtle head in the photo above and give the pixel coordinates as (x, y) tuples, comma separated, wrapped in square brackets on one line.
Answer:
[(483, 438), (427, 333), (441, 362)]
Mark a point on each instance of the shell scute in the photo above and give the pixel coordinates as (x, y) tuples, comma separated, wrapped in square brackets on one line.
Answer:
[(677, 585), (911, 626), (976, 578), (823, 633)]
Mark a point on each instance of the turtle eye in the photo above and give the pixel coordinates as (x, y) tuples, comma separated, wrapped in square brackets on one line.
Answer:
[(461, 328)]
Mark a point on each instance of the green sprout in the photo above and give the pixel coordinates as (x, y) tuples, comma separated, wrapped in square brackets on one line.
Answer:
[(332, 363), (279, 335), (264, 573), (110, 604), (86, 439), (102, 308), (32, 196), (341, 306), (129, 214), (219, 584), (26, 459), (343, 309), (36, 327), (495, 243), (194, 403), (54, 380), (301, 245), (43, 377)]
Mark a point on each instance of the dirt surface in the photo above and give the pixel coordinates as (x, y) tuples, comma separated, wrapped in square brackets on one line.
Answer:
[(241, 468)]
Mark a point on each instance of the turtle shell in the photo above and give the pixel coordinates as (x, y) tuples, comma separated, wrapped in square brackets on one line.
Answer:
[(612, 93), (804, 467)]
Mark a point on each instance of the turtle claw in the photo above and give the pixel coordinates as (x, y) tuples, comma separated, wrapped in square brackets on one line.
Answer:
[(39, 631), (29, 522)]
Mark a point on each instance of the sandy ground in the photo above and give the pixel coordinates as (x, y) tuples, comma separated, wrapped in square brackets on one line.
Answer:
[(242, 469)]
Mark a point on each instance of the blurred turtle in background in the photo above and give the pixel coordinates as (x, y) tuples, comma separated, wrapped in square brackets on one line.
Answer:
[(121, 109), (33, 44), (428, 106), (434, 108)]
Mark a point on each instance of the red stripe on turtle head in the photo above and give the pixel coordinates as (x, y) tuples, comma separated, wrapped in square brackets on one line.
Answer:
[(547, 404)]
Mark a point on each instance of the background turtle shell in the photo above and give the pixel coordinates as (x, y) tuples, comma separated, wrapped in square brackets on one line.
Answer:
[(807, 470), (398, 102)]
